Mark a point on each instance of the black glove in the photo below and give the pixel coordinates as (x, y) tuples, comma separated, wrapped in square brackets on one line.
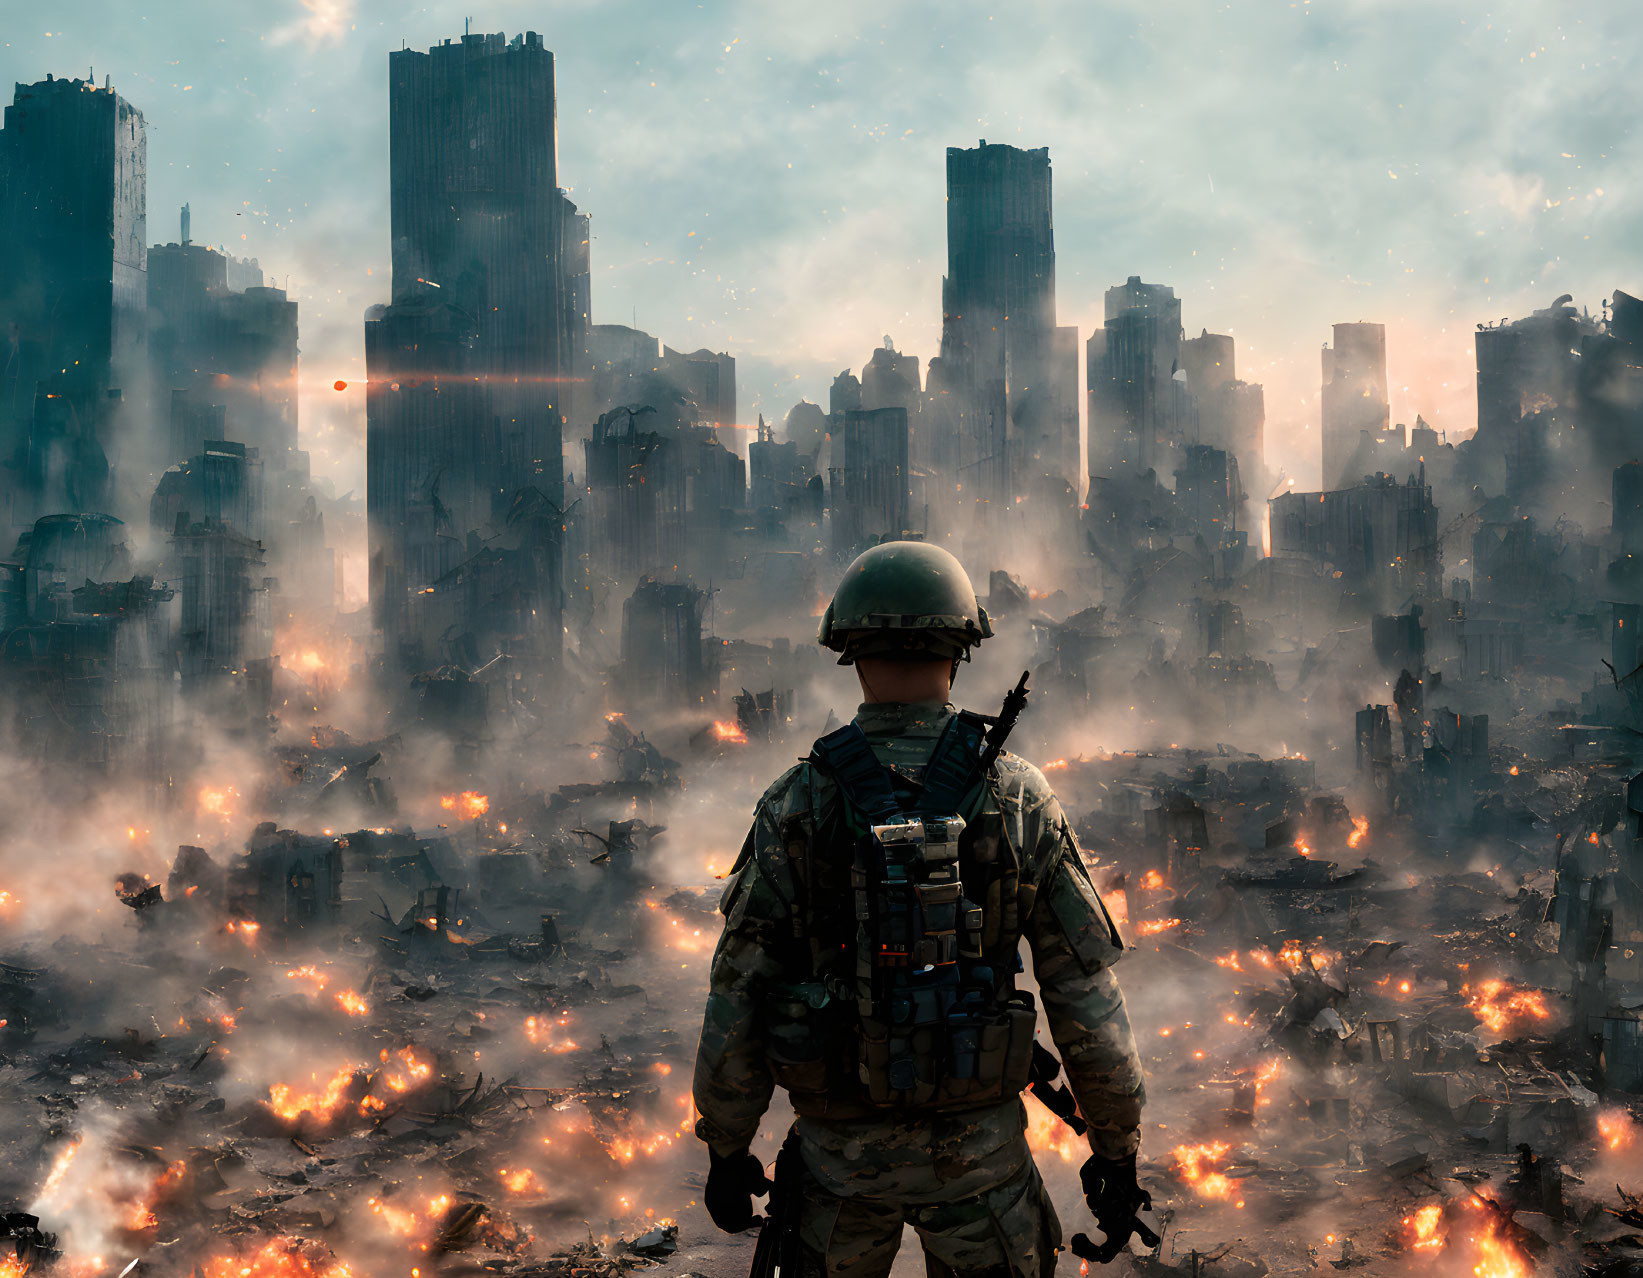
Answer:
[(732, 1184), (1114, 1197)]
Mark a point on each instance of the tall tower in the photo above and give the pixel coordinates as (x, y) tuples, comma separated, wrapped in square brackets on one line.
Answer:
[(74, 293), (467, 367), (1354, 398), (1136, 403), (1001, 356)]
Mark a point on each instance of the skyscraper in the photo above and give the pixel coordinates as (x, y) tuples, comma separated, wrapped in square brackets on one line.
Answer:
[(1000, 351), (1136, 405), (468, 365), (73, 289), (1354, 399)]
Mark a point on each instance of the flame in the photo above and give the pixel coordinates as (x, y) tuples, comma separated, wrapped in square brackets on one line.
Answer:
[(1360, 828), (141, 1216), (1118, 905), (1264, 1074), (1198, 1166), (310, 974), (278, 1258), (1500, 1004), (396, 1218), (1616, 1129), (1055, 765), (1152, 927), (1301, 847), (1423, 1231), (1047, 1134), (404, 1070), (6, 898), (59, 1169), (245, 929), (12, 1267), (324, 1104), (1152, 880), (218, 802), (1496, 1255), (728, 730), (353, 1004), (1230, 960), (521, 1181), (469, 805)]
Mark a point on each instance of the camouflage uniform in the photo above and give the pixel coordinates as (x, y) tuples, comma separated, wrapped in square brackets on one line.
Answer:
[(965, 1181)]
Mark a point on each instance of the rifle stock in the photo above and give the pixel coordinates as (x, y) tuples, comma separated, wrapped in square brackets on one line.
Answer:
[(777, 1252)]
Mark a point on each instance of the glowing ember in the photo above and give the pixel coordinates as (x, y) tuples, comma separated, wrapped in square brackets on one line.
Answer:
[(728, 730), (1360, 828), (396, 1218), (278, 1258), (1152, 881), (1301, 847), (1152, 927), (540, 1030), (1267, 1071), (352, 1003), (1501, 1005), (59, 1169), (469, 805), (309, 973), (1230, 960), (1616, 1129), (522, 1181), (6, 898), (12, 1267), (1424, 1231), (1199, 1165), (141, 1216), (1055, 765), (245, 929)]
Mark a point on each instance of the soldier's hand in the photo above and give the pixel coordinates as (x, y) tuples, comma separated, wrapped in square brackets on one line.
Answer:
[(1114, 1198), (732, 1184)]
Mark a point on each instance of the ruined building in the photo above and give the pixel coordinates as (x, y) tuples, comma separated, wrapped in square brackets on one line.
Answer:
[(870, 494), (73, 294), (1380, 536), (467, 364), (1356, 412), (1003, 360), (1226, 413), (1136, 403)]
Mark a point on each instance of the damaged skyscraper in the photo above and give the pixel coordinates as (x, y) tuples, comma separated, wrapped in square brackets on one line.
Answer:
[(1007, 373), (73, 297), (468, 365)]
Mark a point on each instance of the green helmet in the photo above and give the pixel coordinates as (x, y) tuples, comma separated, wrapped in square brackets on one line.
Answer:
[(906, 599)]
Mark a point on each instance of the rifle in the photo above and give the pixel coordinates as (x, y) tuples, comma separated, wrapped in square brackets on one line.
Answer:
[(1058, 1100), (777, 1252), (1015, 701)]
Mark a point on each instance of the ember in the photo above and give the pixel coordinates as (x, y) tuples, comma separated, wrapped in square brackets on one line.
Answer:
[(1423, 1230), (353, 1004), (1616, 1129), (278, 1258), (1152, 927), (728, 730)]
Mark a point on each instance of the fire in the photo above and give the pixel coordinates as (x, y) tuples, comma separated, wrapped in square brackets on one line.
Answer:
[(12, 1267), (1501, 1005), (1198, 1165), (1264, 1074), (1152, 927), (245, 929), (218, 802), (1423, 1231), (404, 1070), (278, 1258), (353, 1004), (1301, 847), (1230, 960), (323, 1104), (469, 805), (1047, 1134), (396, 1218), (142, 1216), (1360, 828), (728, 730), (311, 974), (1118, 905), (1055, 765), (1152, 881), (59, 1169), (1496, 1255), (1616, 1129), (521, 1181), (6, 898)]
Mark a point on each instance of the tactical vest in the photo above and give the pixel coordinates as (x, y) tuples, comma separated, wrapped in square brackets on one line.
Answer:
[(905, 929)]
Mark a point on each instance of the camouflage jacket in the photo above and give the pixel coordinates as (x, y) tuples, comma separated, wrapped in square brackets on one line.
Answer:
[(1071, 936)]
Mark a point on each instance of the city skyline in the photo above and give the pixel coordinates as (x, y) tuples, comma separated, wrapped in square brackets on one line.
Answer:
[(800, 271)]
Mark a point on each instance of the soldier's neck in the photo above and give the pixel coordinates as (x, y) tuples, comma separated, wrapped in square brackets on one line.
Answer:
[(885, 681)]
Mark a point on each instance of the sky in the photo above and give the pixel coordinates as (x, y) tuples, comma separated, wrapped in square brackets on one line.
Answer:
[(768, 178)]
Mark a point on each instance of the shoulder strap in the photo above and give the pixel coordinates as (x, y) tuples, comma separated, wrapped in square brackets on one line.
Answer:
[(954, 766), (846, 755)]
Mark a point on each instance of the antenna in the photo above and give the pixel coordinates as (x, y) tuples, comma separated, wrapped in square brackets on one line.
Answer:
[(185, 226)]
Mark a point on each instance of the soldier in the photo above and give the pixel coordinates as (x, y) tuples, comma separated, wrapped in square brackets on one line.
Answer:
[(872, 931)]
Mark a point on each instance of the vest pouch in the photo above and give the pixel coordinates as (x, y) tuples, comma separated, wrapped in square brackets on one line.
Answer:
[(875, 1063), (1018, 1058)]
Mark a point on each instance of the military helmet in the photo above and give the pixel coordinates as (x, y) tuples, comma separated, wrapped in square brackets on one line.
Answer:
[(904, 599)]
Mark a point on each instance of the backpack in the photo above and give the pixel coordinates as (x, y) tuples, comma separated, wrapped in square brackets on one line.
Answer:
[(910, 1001)]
